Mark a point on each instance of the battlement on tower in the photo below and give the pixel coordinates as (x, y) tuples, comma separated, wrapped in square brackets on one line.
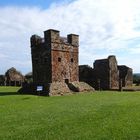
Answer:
[(53, 36)]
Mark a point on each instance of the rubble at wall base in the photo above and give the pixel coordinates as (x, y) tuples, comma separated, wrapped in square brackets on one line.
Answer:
[(57, 88)]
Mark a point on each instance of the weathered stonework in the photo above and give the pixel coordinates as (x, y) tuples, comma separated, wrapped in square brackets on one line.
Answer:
[(80, 86), (107, 74), (55, 61), (58, 88), (125, 75)]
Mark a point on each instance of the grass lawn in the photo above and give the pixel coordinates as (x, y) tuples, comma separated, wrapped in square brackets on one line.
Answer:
[(105, 115)]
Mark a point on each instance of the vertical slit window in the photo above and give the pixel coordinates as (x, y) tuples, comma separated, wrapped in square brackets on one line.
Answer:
[(59, 59)]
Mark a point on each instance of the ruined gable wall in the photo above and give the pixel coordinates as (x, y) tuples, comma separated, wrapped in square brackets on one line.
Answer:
[(126, 75), (106, 72), (129, 77), (102, 73), (114, 73)]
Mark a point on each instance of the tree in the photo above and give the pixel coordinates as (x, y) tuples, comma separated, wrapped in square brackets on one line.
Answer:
[(136, 79)]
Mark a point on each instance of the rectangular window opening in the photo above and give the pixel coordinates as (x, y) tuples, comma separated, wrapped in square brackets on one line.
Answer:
[(59, 59)]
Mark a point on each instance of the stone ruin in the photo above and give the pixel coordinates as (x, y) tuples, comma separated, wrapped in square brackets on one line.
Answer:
[(56, 70), (55, 64), (106, 74), (86, 74), (125, 75), (13, 78)]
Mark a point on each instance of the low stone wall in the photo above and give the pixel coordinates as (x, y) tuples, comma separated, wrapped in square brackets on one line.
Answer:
[(131, 88)]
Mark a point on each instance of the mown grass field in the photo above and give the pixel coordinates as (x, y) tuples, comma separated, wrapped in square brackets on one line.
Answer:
[(93, 116)]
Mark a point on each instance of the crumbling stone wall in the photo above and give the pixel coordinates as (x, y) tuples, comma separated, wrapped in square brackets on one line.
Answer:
[(80, 86), (125, 75), (55, 61), (107, 74), (13, 77), (86, 74)]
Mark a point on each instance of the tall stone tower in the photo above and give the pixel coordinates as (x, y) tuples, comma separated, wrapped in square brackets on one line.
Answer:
[(55, 63), (54, 58)]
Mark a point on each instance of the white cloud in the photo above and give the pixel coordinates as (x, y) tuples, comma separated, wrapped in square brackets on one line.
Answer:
[(104, 26)]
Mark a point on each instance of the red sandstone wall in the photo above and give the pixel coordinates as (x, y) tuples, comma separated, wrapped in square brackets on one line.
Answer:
[(64, 63)]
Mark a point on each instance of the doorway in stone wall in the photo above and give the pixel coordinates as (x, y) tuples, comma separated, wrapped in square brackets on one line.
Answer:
[(67, 81)]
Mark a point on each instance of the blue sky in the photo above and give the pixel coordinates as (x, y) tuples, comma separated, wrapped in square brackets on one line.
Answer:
[(39, 3), (106, 27)]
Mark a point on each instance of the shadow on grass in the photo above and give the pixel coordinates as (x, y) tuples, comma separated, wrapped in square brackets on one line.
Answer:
[(9, 93), (15, 93)]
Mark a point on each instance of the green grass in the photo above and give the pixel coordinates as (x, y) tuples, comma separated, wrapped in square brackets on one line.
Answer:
[(94, 116)]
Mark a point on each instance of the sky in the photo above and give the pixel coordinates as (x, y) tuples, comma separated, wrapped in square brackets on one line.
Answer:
[(105, 27)]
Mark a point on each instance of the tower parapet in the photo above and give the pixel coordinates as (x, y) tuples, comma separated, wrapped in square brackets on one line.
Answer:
[(35, 40), (73, 39), (52, 36)]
